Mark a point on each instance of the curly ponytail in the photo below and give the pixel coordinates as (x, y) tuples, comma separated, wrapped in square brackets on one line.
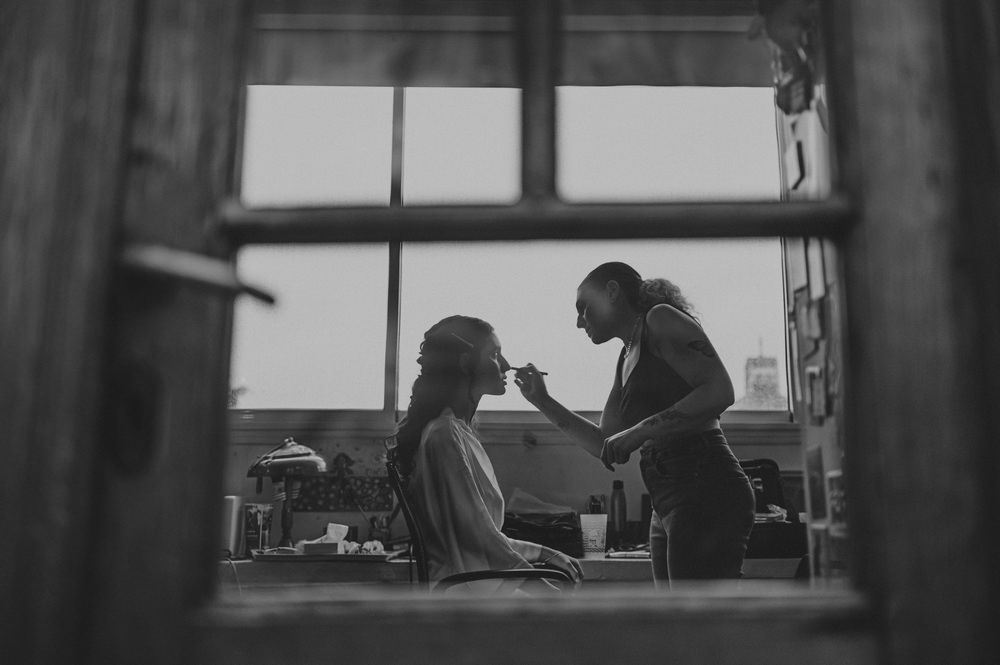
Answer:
[(641, 294), (440, 373), (662, 291)]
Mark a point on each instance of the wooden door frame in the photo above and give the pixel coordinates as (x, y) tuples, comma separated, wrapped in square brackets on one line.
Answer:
[(921, 297), (132, 579), (169, 341), (64, 80)]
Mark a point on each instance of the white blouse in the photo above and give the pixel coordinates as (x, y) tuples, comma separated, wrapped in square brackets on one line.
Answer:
[(458, 501)]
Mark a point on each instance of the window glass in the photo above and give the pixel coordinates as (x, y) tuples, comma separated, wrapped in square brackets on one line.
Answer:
[(461, 145), (527, 290), (641, 144), (323, 345), (317, 145)]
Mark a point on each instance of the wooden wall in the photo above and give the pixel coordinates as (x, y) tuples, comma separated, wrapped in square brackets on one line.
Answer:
[(64, 70), (917, 431), (169, 345)]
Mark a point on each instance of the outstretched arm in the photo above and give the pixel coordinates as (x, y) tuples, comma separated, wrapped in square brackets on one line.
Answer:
[(682, 344), (583, 432)]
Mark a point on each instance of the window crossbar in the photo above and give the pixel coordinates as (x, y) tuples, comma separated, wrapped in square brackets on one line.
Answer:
[(541, 219)]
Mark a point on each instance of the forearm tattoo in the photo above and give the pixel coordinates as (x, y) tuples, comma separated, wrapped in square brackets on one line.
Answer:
[(673, 414), (703, 346)]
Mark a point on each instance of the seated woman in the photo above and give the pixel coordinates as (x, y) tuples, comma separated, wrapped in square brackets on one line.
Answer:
[(451, 481)]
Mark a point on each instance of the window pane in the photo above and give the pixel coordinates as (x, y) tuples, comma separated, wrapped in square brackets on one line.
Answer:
[(527, 290), (461, 145), (323, 345), (636, 143), (307, 146)]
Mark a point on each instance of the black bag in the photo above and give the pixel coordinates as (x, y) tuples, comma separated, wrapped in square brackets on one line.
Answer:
[(560, 531), (773, 539), (765, 478), (777, 540)]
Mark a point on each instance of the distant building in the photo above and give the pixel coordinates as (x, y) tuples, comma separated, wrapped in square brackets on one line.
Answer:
[(763, 386)]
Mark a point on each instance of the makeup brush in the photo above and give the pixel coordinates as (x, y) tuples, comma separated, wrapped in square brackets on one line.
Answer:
[(526, 368)]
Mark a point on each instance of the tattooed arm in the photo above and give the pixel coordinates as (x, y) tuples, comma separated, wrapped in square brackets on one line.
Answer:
[(583, 432), (682, 344)]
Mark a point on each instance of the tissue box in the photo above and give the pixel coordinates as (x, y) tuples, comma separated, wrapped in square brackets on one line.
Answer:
[(321, 548)]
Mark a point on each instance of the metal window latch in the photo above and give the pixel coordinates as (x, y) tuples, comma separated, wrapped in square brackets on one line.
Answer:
[(197, 269)]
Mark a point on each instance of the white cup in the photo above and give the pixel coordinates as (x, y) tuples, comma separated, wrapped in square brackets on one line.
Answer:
[(595, 530)]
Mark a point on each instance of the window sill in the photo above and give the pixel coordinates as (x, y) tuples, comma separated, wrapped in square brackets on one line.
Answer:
[(256, 426), (777, 626)]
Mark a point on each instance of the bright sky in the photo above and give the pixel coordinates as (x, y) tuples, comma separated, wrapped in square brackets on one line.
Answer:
[(323, 345)]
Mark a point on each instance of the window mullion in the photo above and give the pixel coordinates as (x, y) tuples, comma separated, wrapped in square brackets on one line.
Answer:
[(392, 330), (537, 51), (395, 250), (396, 182)]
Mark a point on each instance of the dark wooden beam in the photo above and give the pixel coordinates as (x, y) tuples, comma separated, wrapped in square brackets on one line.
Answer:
[(64, 81), (917, 431), (486, 58), (474, 44), (506, 7), (973, 30), (697, 624), (164, 434), (534, 221), (538, 53)]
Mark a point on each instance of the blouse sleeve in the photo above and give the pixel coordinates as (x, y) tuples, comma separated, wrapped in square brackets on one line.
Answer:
[(461, 528)]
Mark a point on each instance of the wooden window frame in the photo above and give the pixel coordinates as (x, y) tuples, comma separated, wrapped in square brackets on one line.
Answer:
[(120, 125), (818, 626), (539, 214)]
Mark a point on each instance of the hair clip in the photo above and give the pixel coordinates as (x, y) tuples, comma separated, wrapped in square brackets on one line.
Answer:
[(463, 340)]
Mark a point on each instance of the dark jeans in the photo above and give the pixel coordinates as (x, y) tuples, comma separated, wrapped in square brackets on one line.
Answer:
[(703, 508)]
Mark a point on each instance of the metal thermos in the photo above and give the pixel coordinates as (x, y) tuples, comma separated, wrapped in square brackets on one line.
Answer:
[(617, 514)]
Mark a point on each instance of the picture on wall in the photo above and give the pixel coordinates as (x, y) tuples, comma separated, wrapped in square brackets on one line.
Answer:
[(837, 502), (815, 480)]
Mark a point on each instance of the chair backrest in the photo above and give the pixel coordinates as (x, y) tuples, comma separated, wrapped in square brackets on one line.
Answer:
[(418, 553)]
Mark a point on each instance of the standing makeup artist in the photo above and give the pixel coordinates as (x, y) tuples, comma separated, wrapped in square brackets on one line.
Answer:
[(670, 389)]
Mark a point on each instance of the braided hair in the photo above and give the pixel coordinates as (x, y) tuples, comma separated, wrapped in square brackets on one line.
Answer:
[(440, 374)]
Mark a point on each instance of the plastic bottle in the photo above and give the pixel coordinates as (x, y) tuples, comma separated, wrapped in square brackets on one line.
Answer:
[(617, 515)]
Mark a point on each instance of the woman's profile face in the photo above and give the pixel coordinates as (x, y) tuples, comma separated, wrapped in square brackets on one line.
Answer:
[(490, 372), (595, 314)]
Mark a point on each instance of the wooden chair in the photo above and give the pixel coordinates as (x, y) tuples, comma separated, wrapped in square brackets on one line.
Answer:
[(418, 552)]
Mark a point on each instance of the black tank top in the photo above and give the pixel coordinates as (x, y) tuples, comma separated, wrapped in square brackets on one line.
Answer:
[(652, 386)]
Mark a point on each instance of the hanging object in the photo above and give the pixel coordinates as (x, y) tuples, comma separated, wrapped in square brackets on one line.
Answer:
[(791, 29)]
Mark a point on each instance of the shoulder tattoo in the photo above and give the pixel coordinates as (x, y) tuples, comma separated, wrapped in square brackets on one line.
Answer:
[(703, 346)]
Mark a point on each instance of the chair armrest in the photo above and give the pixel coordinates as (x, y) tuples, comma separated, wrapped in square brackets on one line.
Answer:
[(512, 573)]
